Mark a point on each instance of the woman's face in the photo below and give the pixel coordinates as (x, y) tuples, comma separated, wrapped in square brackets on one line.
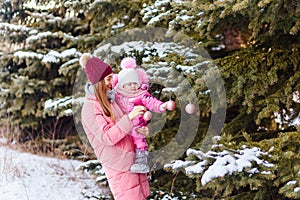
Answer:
[(108, 80)]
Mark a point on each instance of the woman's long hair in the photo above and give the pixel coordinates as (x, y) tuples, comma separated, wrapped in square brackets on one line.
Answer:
[(101, 96)]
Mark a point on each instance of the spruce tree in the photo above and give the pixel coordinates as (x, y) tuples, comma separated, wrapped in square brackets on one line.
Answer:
[(40, 41), (256, 46)]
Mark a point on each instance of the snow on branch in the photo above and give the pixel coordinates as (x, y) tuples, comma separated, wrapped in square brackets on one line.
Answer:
[(51, 57), (214, 164), (28, 54), (60, 102), (13, 27), (63, 104), (32, 4)]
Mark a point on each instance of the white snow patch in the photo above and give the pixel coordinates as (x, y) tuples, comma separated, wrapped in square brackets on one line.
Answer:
[(225, 163), (28, 176), (27, 54), (291, 183), (57, 103)]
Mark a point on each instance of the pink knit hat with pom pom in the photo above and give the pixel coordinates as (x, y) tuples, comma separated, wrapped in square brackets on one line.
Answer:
[(95, 69), (128, 73)]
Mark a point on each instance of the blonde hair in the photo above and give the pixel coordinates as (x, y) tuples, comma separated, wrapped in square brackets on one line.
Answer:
[(101, 96)]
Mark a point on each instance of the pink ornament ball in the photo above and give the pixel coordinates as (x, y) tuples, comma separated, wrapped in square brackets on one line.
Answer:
[(190, 108), (147, 116), (171, 105)]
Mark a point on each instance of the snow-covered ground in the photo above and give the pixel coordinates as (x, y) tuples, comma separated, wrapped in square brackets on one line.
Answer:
[(25, 176)]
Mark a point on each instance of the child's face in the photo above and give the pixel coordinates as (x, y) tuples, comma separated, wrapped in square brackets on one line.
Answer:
[(131, 86)]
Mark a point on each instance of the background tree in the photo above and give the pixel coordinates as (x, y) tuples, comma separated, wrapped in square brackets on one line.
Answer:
[(38, 46), (42, 41), (258, 54), (255, 45)]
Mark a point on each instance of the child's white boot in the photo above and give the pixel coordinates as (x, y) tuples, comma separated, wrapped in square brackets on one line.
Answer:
[(141, 162)]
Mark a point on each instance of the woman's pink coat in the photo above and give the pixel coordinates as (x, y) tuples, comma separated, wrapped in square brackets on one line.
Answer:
[(114, 149)]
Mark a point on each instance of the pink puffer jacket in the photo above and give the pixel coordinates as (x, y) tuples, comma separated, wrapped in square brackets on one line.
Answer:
[(114, 149)]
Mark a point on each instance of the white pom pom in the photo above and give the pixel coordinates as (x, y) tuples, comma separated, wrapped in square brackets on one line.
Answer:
[(127, 63), (84, 59)]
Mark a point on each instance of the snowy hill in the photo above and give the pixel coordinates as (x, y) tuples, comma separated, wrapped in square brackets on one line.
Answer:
[(24, 176)]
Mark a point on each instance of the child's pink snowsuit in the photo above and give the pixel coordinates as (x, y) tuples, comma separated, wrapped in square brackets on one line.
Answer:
[(127, 100)]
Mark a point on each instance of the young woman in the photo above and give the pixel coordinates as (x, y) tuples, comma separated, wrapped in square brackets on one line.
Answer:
[(107, 129)]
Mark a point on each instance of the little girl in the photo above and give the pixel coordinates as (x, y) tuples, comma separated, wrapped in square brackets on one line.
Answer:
[(131, 90)]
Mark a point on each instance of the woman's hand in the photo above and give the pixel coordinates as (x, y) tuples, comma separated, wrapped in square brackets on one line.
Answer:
[(145, 130), (136, 111)]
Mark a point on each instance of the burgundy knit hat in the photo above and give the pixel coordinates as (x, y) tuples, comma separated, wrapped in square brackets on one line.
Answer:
[(95, 69)]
